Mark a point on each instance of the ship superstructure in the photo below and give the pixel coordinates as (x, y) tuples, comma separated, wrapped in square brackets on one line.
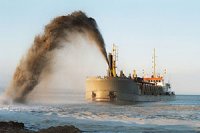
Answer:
[(114, 87)]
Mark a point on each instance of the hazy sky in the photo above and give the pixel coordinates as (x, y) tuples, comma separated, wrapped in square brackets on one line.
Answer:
[(136, 26)]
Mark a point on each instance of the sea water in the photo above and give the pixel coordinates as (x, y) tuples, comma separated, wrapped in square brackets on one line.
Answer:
[(181, 115)]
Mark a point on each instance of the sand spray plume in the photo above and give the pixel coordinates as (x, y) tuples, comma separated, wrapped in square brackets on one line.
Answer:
[(39, 56)]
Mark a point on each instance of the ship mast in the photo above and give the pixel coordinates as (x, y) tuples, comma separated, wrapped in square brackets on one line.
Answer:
[(115, 56), (154, 63)]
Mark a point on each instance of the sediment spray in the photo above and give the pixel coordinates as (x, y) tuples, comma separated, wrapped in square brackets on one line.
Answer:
[(38, 57)]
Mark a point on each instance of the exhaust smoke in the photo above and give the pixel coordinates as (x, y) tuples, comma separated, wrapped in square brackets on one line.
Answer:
[(38, 61)]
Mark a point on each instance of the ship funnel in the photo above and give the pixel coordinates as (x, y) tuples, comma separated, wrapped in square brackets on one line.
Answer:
[(110, 61), (112, 58)]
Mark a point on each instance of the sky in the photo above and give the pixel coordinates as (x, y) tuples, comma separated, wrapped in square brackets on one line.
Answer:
[(135, 26)]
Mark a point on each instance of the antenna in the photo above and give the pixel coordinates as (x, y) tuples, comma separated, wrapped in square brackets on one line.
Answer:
[(154, 63), (143, 73), (165, 72)]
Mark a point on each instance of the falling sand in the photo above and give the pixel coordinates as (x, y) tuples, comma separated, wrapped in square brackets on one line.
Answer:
[(39, 57)]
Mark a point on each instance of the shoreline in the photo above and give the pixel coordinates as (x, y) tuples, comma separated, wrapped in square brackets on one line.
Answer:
[(17, 127)]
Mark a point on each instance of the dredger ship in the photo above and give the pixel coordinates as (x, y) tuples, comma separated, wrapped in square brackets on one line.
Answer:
[(121, 88)]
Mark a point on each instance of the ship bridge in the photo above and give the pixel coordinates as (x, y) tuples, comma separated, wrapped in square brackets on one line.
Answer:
[(155, 80)]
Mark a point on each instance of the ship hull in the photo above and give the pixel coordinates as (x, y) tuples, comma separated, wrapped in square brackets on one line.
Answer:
[(122, 89)]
